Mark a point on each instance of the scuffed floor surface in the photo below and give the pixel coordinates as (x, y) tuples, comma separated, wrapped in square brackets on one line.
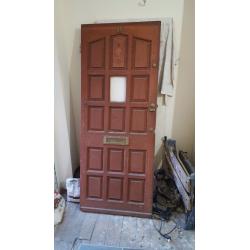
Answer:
[(118, 231)]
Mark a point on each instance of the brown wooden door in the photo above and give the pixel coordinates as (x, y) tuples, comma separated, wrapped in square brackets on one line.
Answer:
[(117, 126)]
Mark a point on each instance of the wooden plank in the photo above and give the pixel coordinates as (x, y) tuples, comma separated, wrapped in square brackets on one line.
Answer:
[(88, 226), (185, 197), (113, 234), (183, 176)]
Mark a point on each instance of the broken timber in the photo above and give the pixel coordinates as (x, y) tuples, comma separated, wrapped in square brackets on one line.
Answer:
[(182, 176)]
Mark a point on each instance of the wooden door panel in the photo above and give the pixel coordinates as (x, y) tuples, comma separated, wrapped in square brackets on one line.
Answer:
[(139, 88), (95, 158), (141, 52), (117, 119), (115, 160), (97, 54), (136, 190), (96, 87), (137, 161), (138, 120), (115, 189), (117, 178), (94, 186), (119, 51), (96, 118)]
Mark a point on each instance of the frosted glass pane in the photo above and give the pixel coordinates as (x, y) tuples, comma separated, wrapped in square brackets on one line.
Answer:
[(118, 89)]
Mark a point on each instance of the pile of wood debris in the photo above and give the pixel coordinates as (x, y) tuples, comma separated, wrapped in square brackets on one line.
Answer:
[(175, 184)]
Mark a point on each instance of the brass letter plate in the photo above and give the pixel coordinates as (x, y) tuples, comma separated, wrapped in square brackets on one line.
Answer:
[(117, 140)]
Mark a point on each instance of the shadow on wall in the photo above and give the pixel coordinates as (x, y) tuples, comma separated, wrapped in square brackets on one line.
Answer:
[(158, 158), (75, 100)]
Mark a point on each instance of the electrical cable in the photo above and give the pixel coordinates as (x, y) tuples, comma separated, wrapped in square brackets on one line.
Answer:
[(165, 235), (164, 216)]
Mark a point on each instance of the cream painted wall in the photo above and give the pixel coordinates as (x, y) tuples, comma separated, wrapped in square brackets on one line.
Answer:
[(69, 15), (184, 111), (62, 156), (63, 24)]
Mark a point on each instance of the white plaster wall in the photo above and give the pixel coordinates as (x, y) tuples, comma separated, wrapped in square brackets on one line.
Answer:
[(184, 111), (69, 15), (63, 46), (62, 156)]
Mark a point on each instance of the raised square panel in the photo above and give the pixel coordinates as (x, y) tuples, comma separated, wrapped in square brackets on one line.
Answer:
[(137, 161), (115, 159), (140, 89), (95, 158), (95, 118), (119, 51), (141, 53), (115, 188), (94, 187), (96, 88), (136, 190), (117, 119), (97, 54), (138, 122), (118, 88)]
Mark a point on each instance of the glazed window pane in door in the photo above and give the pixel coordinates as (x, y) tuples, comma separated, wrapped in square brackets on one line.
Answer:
[(119, 87)]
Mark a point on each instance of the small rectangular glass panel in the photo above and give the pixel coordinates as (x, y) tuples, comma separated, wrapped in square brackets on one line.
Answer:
[(118, 89)]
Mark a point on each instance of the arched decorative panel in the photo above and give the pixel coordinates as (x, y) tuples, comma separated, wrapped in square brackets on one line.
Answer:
[(96, 57), (142, 52), (119, 51)]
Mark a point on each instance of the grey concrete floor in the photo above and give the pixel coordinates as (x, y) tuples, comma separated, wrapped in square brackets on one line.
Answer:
[(118, 231)]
